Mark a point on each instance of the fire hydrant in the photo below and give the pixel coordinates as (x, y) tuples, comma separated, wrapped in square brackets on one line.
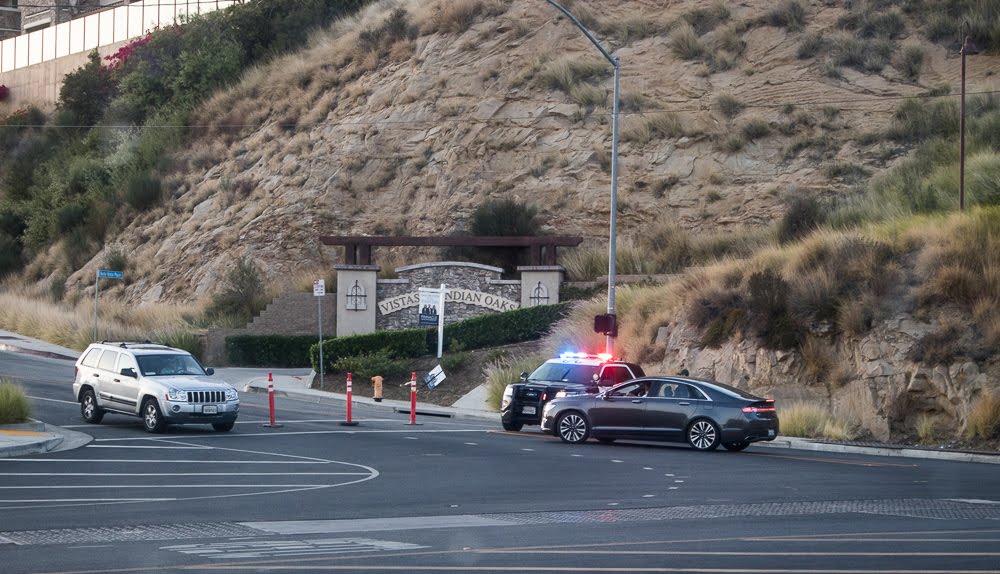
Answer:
[(377, 383)]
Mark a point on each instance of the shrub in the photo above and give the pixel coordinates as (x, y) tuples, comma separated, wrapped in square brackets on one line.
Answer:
[(364, 367), (910, 62), (686, 43), (190, 342), (243, 295), (116, 260), (916, 121), (984, 419), (665, 125), (704, 20), (790, 14), (755, 128), (14, 405), (143, 191), (399, 344), (499, 218), (270, 351), (525, 324), (70, 216), (566, 74), (86, 92), (804, 215), (767, 310), (729, 105), (810, 45), (940, 347)]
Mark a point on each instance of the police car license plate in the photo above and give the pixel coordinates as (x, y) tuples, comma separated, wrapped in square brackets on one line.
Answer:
[(210, 409), (528, 410)]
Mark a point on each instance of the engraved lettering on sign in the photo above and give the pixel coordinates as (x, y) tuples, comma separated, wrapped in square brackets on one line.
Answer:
[(478, 298)]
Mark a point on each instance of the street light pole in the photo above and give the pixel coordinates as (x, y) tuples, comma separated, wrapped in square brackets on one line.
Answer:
[(613, 232), (968, 48)]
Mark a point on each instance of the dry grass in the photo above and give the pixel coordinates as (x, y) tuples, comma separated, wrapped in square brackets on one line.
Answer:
[(14, 404), (984, 419), (643, 129), (927, 428), (810, 420), (73, 325), (504, 371)]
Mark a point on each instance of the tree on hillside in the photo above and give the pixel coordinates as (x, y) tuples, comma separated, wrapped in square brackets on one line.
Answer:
[(499, 218), (86, 93), (243, 295)]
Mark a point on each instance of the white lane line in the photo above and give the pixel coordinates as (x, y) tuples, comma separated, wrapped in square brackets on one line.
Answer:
[(576, 455), (284, 434), (616, 460), (152, 447), (88, 500), (159, 486), (182, 474), (410, 437), (648, 495), (528, 449), (647, 468), (472, 443), (53, 400), (186, 461)]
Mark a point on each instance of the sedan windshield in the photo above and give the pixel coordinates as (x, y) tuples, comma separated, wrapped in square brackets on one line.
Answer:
[(155, 365), (581, 374)]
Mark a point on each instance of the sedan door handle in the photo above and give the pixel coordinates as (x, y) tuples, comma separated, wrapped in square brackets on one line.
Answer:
[(685, 403), (117, 380), (96, 375)]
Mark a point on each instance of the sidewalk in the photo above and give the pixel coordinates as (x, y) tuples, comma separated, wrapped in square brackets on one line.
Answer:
[(18, 440)]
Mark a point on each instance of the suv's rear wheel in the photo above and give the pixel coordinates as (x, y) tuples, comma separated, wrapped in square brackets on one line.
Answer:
[(514, 427), (152, 418), (573, 427), (224, 427), (92, 413)]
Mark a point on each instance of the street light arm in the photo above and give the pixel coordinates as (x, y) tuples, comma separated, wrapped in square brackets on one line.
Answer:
[(586, 32)]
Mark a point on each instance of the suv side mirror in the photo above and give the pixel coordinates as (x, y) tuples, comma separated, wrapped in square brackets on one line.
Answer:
[(524, 376), (596, 377), (129, 372), (210, 371)]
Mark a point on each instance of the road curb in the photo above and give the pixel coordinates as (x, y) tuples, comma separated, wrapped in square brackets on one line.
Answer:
[(888, 451)]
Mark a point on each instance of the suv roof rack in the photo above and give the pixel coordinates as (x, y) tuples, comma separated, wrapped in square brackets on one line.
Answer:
[(125, 344)]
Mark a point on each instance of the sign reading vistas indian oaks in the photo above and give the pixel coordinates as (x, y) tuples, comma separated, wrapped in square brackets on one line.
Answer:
[(478, 298)]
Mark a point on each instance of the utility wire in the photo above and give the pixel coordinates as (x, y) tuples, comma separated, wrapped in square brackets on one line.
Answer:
[(505, 120)]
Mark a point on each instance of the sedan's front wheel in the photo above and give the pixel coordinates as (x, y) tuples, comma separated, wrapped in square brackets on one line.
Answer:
[(703, 435), (573, 428)]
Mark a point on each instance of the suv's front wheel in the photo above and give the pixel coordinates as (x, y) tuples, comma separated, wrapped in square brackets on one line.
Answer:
[(92, 413), (152, 418)]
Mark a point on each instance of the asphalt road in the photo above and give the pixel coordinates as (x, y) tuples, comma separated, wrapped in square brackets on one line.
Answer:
[(461, 495)]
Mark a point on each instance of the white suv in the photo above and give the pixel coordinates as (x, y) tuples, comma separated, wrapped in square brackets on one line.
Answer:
[(160, 384)]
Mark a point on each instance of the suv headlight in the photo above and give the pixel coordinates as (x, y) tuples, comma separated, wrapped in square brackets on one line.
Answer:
[(232, 395), (177, 395), (508, 395)]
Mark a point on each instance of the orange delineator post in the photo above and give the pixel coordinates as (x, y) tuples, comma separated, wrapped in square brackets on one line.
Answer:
[(270, 396), (349, 393), (413, 398)]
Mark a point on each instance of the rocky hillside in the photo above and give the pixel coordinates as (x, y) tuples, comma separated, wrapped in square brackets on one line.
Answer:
[(408, 117)]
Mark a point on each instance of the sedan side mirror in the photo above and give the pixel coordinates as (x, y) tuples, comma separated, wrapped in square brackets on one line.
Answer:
[(210, 371), (129, 372)]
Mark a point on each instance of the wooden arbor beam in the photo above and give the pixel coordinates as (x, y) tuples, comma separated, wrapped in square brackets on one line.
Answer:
[(542, 248)]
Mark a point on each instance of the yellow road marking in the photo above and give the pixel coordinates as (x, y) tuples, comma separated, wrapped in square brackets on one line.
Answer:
[(23, 433)]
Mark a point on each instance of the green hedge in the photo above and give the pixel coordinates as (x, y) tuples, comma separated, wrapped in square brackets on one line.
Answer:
[(286, 351), (503, 328), (476, 333)]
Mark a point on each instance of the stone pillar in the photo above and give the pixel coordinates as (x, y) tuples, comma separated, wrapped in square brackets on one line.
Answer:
[(540, 284), (356, 303)]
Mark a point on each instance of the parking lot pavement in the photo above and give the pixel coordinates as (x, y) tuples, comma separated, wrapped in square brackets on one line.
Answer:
[(296, 383)]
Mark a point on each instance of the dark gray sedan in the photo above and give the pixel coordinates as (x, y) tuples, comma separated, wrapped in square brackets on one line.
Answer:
[(678, 409)]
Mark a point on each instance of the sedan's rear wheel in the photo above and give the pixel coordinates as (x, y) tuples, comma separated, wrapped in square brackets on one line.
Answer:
[(703, 435), (573, 428), (736, 446)]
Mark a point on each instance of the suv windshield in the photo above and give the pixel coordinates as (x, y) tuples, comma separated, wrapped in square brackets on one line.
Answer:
[(581, 374), (154, 365)]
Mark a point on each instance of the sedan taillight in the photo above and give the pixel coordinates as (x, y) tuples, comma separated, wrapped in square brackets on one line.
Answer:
[(765, 406)]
